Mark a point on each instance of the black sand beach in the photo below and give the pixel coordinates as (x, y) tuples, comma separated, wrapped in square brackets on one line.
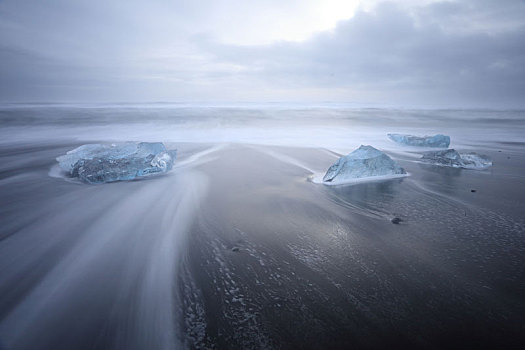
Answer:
[(235, 248)]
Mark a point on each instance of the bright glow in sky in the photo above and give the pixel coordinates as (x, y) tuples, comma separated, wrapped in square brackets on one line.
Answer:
[(252, 23), (290, 21), (447, 52)]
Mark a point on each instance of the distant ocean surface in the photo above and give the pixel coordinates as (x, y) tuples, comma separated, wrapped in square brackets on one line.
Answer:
[(236, 248), (330, 126)]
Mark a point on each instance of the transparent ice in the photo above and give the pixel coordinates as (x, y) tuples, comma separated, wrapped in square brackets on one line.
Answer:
[(99, 163), (366, 161), (438, 141), (452, 158)]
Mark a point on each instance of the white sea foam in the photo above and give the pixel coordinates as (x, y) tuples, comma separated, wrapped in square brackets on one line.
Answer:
[(318, 179)]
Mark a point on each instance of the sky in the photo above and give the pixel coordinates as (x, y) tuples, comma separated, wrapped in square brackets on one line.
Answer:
[(443, 53)]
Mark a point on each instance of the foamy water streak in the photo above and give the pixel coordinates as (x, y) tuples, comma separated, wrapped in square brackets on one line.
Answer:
[(125, 260), (284, 158)]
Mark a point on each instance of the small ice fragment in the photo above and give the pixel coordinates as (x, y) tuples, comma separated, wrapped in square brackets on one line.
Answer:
[(366, 161), (452, 158), (476, 161), (438, 141), (98, 163)]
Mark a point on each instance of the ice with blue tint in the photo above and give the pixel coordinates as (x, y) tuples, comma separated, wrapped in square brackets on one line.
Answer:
[(438, 141), (452, 158), (100, 163), (364, 162)]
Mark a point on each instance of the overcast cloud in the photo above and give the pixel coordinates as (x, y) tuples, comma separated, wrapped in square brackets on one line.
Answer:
[(434, 53)]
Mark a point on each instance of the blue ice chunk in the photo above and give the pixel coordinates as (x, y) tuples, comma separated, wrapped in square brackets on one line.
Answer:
[(99, 163), (366, 161), (438, 141), (452, 158)]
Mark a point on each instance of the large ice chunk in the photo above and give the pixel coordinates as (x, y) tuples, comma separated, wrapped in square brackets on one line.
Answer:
[(366, 161), (438, 141), (99, 163), (452, 158)]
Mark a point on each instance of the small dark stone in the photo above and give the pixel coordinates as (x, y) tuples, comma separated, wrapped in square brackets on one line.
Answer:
[(235, 249), (396, 221), (508, 157), (472, 190), (499, 151)]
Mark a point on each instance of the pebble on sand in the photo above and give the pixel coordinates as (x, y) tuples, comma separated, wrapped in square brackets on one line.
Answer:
[(396, 220)]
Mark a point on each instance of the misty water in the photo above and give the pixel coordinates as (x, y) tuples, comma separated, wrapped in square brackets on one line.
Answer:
[(236, 248)]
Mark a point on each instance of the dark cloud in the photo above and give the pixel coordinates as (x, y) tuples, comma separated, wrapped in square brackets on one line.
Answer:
[(447, 53), (415, 56)]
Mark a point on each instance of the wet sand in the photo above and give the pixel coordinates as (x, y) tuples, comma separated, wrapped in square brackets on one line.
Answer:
[(235, 248)]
